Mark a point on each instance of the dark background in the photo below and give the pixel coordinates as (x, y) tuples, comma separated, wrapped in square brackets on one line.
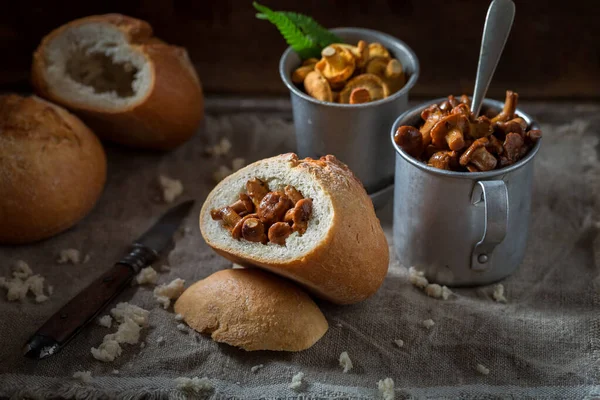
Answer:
[(553, 51)]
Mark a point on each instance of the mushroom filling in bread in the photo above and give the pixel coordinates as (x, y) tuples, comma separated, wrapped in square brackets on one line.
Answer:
[(94, 65), (261, 215)]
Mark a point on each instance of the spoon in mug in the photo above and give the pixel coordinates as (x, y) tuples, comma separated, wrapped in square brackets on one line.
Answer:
[(498, 23)]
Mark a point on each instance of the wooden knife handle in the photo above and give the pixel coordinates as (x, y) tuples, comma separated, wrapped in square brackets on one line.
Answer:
[(84, 307)]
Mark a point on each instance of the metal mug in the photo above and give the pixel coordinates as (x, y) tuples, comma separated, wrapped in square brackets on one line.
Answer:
[(461, 228), (355, 133)]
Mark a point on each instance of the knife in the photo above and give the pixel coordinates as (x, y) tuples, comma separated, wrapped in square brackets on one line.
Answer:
[(83, 308)]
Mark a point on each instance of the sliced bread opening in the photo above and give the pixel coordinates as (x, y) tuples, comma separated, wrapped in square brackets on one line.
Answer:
[(278, 174), (93, 65)]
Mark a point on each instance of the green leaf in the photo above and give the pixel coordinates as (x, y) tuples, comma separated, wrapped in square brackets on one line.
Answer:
[(310, 27), (301, 32)]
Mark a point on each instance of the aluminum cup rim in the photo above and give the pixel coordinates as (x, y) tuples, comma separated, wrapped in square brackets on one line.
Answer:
[(404, 91), (465, 175)]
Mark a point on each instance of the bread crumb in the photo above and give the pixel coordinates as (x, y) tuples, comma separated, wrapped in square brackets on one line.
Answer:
[(482, 369), (68, 256), (23, 282), (171, 188), (147, 276), (132, 318), (35, 283), (165, 268), (105, 321), (386, 388), (433, 290), (237, 164), (417, 278), (221, 173), (86, 259), (428, 323), (142, 345), (194, 384), (256, 368), (182, 327), (83, 376), (107, 351), (16, 289), (219, 149), (339, 325), (41, 298), (446, 293), (399, 342), (50, 290), (498, 294), (160, 339), (224, 171), (296, 383), (124, 311), (115, 371), (345, 362), (436, 291), (178, 317), (22, 270), (164, 293)]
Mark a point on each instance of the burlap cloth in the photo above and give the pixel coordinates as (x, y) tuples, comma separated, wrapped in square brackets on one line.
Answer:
[(544, 343)]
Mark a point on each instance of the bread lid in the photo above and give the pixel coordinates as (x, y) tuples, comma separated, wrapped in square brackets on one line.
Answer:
[(253, 310)]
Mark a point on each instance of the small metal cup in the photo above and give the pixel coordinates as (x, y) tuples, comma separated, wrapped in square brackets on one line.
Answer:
[(461, 228), (355, 133)]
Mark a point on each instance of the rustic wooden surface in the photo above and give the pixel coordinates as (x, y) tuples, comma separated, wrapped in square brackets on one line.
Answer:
[(553, 50)]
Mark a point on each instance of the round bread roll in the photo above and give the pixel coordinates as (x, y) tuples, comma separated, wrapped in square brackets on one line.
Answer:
[(343, 256), (253, 310), (128, 86), (52, 169)]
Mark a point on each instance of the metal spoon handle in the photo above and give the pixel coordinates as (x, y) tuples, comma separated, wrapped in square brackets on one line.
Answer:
[(498, 23)]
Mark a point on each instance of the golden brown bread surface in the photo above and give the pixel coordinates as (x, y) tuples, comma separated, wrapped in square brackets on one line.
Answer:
[(167, 116), (252, 309), (52, 169), (350, 263)]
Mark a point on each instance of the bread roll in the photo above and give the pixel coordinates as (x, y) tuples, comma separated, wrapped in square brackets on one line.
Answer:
[(343, 256), (253, 310), (52, 169), (128, 86)]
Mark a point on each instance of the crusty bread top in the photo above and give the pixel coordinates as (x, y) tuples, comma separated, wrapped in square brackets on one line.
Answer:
[(253, 310), (52, 169)]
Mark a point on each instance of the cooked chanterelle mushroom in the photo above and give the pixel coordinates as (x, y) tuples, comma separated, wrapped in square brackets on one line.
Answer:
[(478, 156), (390, 71), (360, 52), (300, 73), (317, 86), (378, 50), (342, 63), (450, 130), (337, 64), (373, 84)]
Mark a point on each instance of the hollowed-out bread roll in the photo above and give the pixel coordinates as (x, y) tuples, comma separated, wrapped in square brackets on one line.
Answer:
[(128, 86), (253, 310), (52, 169), (343, 255)]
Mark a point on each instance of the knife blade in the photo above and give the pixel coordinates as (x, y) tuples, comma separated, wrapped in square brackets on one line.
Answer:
[(65, 324)]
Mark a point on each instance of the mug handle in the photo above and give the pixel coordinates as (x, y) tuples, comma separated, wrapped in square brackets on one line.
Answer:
[(494, 196)]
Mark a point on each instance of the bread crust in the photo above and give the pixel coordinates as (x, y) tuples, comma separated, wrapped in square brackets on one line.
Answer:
[(52, 169), (169, 114), (350, 264), (253, 310)]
